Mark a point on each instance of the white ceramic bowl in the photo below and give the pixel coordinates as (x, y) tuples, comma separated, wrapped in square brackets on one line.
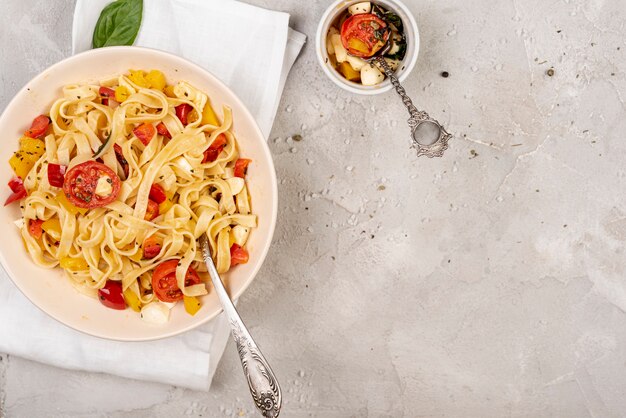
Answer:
[(50, 290), (405, 67)]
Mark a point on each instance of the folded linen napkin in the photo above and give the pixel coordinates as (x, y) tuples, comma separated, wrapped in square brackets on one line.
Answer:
[(254, 62)]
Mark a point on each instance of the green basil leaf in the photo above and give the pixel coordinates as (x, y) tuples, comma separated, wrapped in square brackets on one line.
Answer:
[(102, 148), (391, 17), (118, 23)]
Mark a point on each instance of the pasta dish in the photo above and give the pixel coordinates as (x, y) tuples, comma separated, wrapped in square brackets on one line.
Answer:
[(117, 183)]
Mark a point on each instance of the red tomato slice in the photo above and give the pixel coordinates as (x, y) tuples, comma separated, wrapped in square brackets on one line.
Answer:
[(34, 228), (182, 112), (151, 247), (16, 184), (38, 127), (145, 132), (157, 193), (164, 283), (112, 296), (214, 149), (119, 155), (364, 34), (81, 181), (106, 92), (238, 255), (162, 130), (152, 211), (56, 174), (19, 191), (241, 167)]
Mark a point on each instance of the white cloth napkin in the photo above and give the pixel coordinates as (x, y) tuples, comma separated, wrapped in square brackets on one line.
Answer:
[(251, 50)]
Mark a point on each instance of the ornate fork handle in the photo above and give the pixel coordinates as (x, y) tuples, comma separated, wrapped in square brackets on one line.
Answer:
[(261, 380), (417, 118)]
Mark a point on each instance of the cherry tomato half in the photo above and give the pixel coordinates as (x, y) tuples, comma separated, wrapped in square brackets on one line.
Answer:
[(164, 283), (162, 130), (214, 149), (34, 228), (238, 255), (152, 211), (111, 295), (38, 127), (364, 34), (81, 181), (19, 191), (157, 193), (119, 155), (145, 132), (241, 167), (106, 92), (182, 112), (151, 247)]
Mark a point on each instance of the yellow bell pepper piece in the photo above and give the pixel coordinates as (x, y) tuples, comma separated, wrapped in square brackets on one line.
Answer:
[(73, 264), (359, 45), (208, 115), (52, 226), (156, 79), (32, 145), (132, 300), (60, 197), (138, 77), (169, 91), (165, 206), (121, 93), (21, 163), (348, 72), (192, 304)]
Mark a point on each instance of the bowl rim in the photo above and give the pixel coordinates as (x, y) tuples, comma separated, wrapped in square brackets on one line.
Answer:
[(339, 6), (273, 187)]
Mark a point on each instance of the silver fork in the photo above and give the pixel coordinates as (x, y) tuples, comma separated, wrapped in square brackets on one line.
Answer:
[(262, 382)]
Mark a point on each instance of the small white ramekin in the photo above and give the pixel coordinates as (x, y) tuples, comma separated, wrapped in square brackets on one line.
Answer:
[(405, 67)]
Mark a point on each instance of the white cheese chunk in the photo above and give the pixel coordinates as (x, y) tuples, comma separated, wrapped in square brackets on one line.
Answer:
[(104, 186), (370, 75), (240, 234), (329, 45), (236, 184), (340, 52), (395, 47), (182, 163), (155, 313), (356, 62), (229, 172), (358, 8)]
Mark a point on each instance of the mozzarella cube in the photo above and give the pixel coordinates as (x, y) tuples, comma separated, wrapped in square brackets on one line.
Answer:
[(358, 8), (370, 75), (236, 184), (340, 52), (394, 48), (240, 234), (329, 45), (155, 313), (104, 186), (356, 62)]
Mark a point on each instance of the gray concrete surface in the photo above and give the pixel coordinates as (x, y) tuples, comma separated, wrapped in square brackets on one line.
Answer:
[(488, 283)]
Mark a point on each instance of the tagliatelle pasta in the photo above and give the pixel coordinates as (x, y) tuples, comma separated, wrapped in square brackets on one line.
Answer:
[(125, 177)]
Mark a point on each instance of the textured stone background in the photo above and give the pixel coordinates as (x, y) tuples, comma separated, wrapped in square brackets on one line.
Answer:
[(487, 283)]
